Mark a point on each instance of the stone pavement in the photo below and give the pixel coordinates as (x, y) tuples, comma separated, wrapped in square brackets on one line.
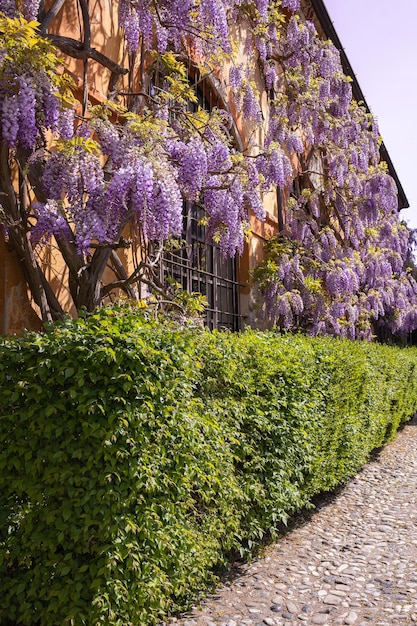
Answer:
[(354, 561)]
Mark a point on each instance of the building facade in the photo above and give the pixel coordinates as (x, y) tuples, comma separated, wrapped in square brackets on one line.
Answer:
[(196, 263)]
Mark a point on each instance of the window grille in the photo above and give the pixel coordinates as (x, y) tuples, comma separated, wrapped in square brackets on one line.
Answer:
[(198, 266)]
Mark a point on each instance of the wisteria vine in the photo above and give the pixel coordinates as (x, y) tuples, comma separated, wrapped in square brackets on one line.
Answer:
[(341, 264)]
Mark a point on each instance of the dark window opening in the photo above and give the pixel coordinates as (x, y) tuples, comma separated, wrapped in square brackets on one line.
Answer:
[(198, 266)]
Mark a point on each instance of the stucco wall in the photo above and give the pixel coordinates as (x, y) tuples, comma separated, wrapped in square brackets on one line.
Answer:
[(16, 312)]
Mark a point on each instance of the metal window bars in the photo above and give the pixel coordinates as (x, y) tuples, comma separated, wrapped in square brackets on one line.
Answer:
[(198, 266)]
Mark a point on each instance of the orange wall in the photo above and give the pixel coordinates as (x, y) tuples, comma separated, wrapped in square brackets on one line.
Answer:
[(16, 312)]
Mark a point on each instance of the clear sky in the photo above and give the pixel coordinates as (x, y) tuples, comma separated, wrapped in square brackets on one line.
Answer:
[(380, 40)]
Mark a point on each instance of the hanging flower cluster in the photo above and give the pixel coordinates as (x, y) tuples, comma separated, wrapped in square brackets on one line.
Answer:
[(29, 83)]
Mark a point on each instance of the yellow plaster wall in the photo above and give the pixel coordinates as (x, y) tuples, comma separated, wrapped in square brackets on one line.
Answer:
[(16, 312)]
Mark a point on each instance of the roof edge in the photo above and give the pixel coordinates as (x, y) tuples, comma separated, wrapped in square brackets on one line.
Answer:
[(330, 32)]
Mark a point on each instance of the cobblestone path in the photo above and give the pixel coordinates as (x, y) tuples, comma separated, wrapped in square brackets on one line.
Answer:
[(354, 562)]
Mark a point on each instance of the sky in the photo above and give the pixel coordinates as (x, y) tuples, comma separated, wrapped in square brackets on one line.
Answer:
[(380, 41)]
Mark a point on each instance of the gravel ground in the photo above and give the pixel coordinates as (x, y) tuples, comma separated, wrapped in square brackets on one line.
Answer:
[(353, 562)]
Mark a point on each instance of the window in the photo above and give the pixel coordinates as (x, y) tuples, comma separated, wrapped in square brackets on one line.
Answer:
[(198, 265)]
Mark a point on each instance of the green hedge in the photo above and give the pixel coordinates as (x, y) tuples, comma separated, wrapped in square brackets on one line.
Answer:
[(134, 457)]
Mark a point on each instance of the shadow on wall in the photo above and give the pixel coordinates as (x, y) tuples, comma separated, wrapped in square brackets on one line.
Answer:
[(16, 312)]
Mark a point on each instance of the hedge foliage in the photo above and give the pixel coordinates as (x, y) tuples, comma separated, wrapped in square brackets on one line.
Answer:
[(134, 456)]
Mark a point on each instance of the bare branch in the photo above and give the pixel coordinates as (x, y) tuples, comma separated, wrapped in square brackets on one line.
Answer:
[(86, 46), (52, 13), (120, 271), (122, 243), (74, 48), (86, 24)]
